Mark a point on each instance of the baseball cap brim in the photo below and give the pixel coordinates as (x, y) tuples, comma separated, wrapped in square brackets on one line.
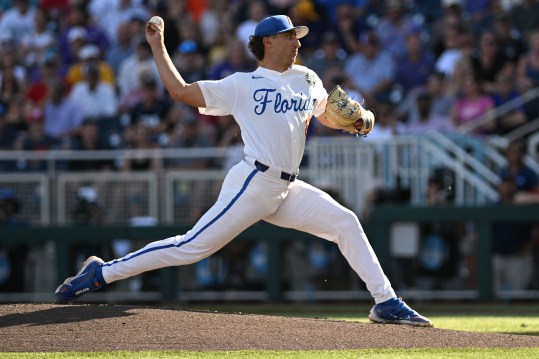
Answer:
[(301, 31)]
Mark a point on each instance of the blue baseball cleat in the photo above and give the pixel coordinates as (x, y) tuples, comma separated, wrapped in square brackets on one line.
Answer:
[(85, 281), (396, 311)]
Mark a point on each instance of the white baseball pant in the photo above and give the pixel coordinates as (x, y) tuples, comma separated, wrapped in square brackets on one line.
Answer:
[(247, 196)]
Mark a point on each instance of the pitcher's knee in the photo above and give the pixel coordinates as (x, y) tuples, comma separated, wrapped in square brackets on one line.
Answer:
[(347, 222), (351, 218)]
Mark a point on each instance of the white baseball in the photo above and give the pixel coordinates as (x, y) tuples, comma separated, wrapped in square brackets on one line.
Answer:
[(158, 21)]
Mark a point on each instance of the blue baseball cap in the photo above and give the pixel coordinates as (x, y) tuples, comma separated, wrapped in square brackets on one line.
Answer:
[(279, 23)]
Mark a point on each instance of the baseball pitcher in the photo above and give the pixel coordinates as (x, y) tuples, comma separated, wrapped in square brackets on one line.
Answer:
[(273, 106)]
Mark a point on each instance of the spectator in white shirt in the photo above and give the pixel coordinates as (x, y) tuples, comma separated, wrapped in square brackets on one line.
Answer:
[(36, 41), (96, 99), (132, 67), (18, 21)]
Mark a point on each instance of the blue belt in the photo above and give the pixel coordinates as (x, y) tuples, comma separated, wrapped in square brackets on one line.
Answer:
[(285, 176)]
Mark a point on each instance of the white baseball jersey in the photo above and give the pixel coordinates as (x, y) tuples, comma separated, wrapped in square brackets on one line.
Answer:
[(273, 110)]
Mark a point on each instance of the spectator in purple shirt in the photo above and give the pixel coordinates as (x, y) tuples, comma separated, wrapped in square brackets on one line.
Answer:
[(394, 27), (79, 19), (62, 116), (70, 44), (414, 68)]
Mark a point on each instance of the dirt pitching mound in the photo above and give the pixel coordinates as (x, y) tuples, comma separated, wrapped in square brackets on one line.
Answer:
[(61, 328)]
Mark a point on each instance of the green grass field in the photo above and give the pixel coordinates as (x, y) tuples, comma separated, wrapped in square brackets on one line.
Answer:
[(507, 319)]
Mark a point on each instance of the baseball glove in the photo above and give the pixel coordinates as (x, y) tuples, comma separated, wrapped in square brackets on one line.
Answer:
[(344, 113)]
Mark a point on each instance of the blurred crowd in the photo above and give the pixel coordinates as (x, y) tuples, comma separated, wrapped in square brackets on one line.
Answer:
[(79, 74)]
